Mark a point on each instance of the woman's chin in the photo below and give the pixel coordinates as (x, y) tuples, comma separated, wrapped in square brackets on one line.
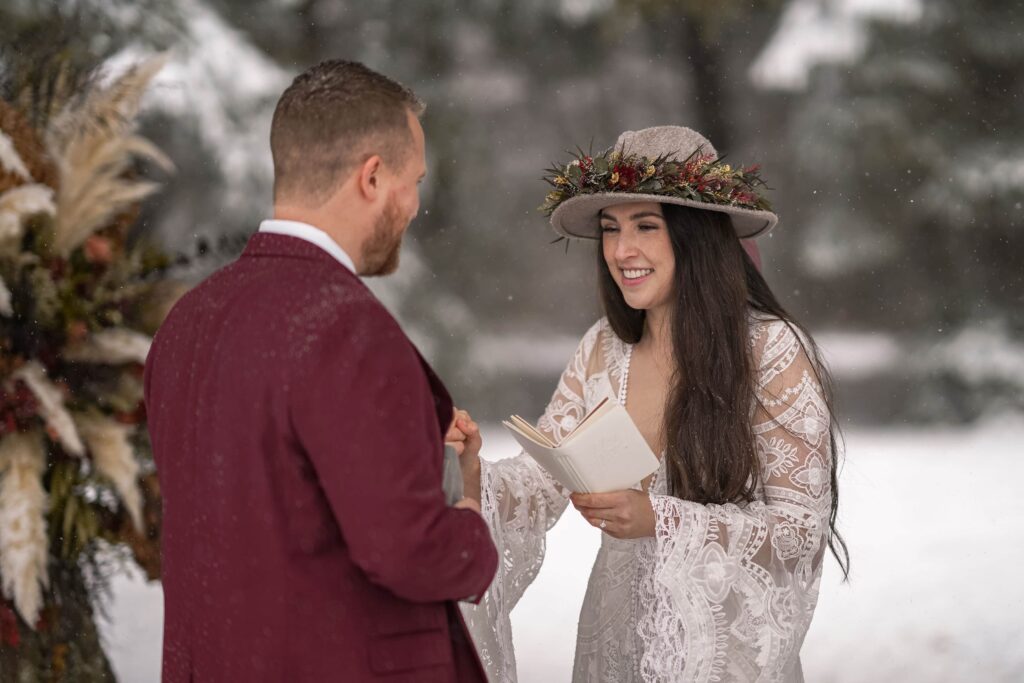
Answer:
[(637, 302)]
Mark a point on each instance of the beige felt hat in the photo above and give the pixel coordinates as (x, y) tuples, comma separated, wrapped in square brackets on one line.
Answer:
[(575, 211)]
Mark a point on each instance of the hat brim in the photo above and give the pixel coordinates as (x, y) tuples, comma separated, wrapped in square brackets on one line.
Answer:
[(577, 218)]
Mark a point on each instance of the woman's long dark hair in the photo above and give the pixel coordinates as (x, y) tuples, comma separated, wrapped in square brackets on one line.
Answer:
[(710, 455)]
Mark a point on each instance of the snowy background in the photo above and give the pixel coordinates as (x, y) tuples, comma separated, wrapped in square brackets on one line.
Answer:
[(934, 520), (890, 131)]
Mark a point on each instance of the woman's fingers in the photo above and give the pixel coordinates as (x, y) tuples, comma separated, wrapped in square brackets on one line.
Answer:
[(598, 501), (611, 527), (607, 515)]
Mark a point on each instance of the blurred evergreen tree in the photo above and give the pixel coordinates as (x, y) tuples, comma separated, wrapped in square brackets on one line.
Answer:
[(716, 41), (920, 151), (912, 161)]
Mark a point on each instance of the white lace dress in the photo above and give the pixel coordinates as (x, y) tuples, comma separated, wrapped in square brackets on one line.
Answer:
[(721, 592)]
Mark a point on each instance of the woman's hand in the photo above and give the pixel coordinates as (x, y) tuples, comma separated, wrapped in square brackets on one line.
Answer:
[(464, 436), (624, 514)]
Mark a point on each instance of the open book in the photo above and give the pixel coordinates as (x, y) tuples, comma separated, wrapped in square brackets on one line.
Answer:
[(605, 452)]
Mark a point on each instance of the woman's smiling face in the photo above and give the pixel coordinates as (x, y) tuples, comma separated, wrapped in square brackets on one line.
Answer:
[(638, 251)]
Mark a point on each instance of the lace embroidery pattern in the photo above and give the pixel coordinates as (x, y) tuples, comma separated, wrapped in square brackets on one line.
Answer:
[(721, 593), (520, 503)]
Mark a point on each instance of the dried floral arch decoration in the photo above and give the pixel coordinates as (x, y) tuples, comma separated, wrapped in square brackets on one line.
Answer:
[(76, 304)]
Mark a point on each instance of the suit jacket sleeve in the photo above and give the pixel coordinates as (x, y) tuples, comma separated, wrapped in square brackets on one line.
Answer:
[(365, 416)]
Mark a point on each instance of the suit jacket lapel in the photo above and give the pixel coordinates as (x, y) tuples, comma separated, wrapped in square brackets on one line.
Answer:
[(264, 245), (442, 400)]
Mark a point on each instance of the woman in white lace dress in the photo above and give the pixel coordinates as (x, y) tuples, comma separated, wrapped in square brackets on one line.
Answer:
[(709, 570)]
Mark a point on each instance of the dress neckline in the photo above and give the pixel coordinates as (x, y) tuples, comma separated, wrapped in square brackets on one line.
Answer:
[(627, 356), (624, 380)]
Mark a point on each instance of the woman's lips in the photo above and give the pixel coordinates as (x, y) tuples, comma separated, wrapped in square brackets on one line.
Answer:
[(634, 277)]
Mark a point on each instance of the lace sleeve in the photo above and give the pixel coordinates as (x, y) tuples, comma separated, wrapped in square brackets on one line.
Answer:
[(520, 503), (733, 588)]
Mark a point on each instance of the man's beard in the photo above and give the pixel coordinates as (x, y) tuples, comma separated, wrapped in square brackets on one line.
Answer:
[(380, 253)]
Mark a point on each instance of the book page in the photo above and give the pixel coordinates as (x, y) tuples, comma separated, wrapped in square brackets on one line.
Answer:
[(609, 454), (528, 430), (604, 406)]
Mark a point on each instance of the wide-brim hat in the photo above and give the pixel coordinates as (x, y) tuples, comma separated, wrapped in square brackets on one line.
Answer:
[(682, 167)]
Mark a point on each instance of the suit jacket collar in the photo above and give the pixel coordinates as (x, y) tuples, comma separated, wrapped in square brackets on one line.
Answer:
[(273, 245)]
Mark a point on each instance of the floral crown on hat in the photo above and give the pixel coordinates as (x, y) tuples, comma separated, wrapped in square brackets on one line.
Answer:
[(701, 177)]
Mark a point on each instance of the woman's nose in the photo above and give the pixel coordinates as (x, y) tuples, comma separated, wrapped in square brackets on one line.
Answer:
[(626, 245)]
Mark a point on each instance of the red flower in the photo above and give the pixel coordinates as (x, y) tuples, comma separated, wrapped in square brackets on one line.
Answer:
[(17, 408), (628, 175), (77, 331), (98, 250), (9, 634), (58, 268)]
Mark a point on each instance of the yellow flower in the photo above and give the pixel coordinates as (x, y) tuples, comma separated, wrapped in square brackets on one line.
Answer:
[(616, 156), (649, 171), (615, 178), (553, 196), (561, 180)]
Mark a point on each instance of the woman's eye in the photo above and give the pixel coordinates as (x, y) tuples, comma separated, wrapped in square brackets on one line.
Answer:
[(609, 228), (648, 226)]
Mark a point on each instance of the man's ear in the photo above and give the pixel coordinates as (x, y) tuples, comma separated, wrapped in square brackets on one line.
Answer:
[(368, 180)]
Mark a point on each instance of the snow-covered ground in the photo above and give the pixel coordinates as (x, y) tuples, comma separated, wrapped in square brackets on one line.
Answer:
[(935, 523)]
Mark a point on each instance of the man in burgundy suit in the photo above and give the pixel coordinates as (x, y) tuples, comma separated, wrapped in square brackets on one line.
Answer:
[(298, 433)]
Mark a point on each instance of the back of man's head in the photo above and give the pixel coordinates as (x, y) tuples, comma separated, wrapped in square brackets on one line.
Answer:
[(332, 117)]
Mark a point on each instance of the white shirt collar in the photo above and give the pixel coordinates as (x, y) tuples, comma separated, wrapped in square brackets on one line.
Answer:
[(311, 234)]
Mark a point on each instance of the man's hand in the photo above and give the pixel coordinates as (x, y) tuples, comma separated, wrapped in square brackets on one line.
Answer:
[(625, 514), (464, 436)]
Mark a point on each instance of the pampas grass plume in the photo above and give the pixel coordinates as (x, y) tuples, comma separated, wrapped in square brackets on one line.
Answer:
[(5, 299), (51, 406), (19, 203), (94, 146), (23, 542), (10, 159), (114, 458), (113, 346)]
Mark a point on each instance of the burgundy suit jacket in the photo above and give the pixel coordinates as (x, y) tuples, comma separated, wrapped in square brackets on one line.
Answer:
[(298, 439)]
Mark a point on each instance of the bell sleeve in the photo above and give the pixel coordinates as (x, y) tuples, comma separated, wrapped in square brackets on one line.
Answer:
[(520, 502), (733, 588)]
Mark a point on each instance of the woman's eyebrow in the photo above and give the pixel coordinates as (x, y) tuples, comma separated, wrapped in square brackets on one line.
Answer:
[(601, 215), (646, 214)]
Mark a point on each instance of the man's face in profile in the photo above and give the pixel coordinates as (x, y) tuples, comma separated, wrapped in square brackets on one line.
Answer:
[(381, 251)]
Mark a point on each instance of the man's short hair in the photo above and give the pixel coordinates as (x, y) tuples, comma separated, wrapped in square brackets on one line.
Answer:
[(332, 117)]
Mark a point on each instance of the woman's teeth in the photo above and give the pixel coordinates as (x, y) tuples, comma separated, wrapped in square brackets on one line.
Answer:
[(636, 274)]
